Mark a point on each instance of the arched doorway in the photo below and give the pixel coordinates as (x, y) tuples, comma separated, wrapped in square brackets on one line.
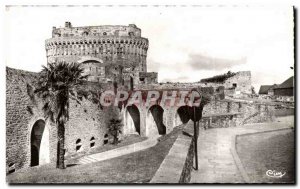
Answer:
[(132, 118), (155, 120), (39, 144), (182, 116), (34, 155)]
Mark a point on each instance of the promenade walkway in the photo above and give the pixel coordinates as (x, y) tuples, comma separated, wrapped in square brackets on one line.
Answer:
[(216, 163)]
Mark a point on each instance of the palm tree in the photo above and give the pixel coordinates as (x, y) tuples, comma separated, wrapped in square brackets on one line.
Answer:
[(56, 87)]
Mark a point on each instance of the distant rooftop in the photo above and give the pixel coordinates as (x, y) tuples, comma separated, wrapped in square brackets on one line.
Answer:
[(264, 89), (289, 83)]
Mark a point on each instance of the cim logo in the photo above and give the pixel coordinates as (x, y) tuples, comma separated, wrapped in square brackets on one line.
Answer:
[(275, 174)]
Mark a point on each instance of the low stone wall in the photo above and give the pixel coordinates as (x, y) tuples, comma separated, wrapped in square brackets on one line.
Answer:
[(178, 164), (188, 165), (231, 113), (221, 120), (284, 111)]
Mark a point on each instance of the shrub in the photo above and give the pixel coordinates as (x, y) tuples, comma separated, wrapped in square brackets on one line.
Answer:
[(114, 124)]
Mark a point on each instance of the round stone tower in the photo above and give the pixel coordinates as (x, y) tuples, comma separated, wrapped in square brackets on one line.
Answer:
[(108, 52)]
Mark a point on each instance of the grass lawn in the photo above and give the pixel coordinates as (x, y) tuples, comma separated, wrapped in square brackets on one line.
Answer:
[(268, 151), (138, 167)]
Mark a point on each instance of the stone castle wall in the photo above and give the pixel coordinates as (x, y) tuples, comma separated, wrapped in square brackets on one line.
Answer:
[(242, 81), (103, 30), (228, 113), (175, 86), (87, 124), (24, 109), (147, 78)]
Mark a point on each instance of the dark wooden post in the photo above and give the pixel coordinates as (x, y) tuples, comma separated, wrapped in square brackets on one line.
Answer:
[(195, 139)]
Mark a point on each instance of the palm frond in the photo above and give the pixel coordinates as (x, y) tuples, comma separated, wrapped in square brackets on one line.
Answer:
[(56, 86)]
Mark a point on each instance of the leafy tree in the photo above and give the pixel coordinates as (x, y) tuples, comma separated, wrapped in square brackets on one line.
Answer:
[(56, 87), (114, 124)]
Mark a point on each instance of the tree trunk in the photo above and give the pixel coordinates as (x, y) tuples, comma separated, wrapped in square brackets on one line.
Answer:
[(115, 140), (61, 146)]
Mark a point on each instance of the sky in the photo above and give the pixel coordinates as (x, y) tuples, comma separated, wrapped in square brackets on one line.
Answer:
[(186, 44)]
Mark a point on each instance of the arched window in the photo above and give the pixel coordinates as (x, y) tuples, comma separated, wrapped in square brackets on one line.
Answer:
[(78, 144), (11, 168), (105, 141), (92, 142)]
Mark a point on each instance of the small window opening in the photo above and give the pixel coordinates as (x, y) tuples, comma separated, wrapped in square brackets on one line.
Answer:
[(11, 168), (240, 105), (131, 33), (92, 142), (234, 85), (213, 120), (105, 139), (78, 144)]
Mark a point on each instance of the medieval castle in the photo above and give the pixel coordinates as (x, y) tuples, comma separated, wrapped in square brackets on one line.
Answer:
[(108, 53)]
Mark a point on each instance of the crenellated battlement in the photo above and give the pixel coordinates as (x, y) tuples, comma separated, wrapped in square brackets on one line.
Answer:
[(96, 40), (107, 48), (104, 30)]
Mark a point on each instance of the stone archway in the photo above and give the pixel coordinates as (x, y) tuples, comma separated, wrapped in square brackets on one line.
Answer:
[(154, 121), (89, 58), (182, 116), (39, 144), (132, 120)]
